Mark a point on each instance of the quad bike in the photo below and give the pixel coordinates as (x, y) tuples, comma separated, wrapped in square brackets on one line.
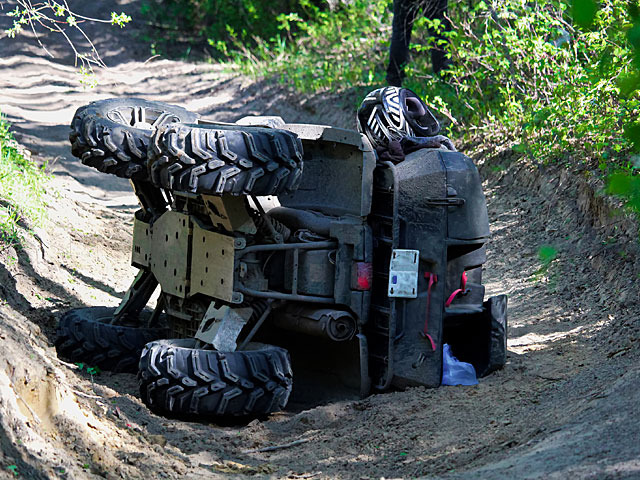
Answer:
[(356, 272)]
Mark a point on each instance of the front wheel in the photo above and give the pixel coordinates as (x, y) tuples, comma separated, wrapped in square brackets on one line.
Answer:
[(177, 378)]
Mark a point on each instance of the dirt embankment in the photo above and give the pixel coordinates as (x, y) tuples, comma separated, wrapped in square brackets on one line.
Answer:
[(565, 406)]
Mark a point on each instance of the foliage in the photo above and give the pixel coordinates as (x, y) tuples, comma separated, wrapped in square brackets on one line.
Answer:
[(519, 68), (343, 47), (95, 370), (22, 184), (625, 182), (523, 68), (556, 80), (626, 185), (216, 22), (547, 254), (51, 16)]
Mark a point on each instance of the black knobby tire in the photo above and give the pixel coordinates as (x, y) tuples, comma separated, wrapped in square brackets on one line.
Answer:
[(84, 336), (113, 135), (175, 378), (217, 159)]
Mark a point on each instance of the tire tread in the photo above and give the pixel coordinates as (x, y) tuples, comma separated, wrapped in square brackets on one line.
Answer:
[(180, 380), (242, 161), (82, 337), (119, 148)]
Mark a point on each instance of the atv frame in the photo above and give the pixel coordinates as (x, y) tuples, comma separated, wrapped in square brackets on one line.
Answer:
[(365, 283), (355, 271)]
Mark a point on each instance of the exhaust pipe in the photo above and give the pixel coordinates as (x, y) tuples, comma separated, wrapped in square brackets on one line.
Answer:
[(336, 325)]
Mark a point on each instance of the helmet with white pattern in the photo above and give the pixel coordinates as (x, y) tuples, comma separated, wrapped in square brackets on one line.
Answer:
[(391, 113)]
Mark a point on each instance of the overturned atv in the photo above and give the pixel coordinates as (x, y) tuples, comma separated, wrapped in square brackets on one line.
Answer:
[(357, 270)]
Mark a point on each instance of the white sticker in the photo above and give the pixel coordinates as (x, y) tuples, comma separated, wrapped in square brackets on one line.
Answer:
[(403, 274)]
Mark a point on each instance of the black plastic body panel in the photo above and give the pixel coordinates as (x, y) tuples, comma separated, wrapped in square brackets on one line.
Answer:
[(440, 211), (470, 222)]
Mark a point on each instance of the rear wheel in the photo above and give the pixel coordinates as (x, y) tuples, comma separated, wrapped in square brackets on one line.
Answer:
[(217, 159), (85, 335), (176, 378), (113, 135)]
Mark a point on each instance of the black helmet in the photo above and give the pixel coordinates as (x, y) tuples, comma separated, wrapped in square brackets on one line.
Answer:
[(391, 113)]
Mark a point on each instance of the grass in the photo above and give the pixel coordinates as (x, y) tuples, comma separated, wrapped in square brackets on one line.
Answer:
[(22, 187)]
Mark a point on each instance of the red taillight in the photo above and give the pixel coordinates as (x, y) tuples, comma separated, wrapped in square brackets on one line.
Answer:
[(364, 276)]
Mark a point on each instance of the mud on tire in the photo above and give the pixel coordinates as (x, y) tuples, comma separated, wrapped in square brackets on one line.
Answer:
[(113, 135), (83, 336), (175, 378), (216, 159)]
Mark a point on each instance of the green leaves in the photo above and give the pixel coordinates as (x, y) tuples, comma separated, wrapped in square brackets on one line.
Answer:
[(238, 23), (628, 84), (547, 254), (627, 186), (583, 12), (520, 73), (323, 49), (632, 133), (120, 20), (22, 185), (90, 370)]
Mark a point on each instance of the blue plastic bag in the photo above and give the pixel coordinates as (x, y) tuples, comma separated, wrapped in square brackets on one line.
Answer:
[(455, 372)]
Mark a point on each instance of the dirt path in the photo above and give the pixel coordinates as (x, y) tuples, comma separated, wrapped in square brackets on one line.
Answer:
[(565, 406)]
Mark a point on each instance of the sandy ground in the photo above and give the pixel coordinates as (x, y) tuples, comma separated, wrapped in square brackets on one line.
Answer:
[(565, 406)]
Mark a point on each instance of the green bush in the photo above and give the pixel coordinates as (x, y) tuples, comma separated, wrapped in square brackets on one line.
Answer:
[(344, 47), (22, 185), (518, 67), (217, 22), (523, 67)]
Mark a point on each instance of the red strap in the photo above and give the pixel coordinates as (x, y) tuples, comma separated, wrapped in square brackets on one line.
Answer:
[(462, 289), (452, 296), (432, 278)]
